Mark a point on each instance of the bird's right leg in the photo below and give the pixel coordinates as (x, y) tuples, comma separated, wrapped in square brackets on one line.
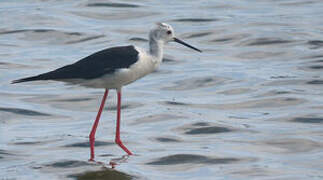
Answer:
[(117, 139), (95, 125)]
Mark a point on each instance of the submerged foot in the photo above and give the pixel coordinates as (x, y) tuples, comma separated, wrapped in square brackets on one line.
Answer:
[(116, 161)]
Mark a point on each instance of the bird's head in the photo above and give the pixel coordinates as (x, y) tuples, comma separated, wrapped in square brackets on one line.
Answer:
[(162, 32), (165, 33)]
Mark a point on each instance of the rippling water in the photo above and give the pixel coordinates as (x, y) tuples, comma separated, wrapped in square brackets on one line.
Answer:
[(248, 107)]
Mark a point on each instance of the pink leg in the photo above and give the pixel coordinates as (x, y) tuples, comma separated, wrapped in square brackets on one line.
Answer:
[(118, 140), (95, 125)]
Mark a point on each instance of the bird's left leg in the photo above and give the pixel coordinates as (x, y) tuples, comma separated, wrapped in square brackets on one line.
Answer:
[(95, 125), (117, 139)]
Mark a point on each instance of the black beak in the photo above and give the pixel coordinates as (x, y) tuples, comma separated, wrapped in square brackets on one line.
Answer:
[(185, 44)]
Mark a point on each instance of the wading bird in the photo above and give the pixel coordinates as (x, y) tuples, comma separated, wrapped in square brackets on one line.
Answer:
[(114, 68)]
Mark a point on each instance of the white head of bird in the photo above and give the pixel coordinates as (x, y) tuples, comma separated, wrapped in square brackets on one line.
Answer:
[(161, 34)]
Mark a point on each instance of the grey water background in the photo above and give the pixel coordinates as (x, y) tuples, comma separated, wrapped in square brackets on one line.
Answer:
[(248, 107)]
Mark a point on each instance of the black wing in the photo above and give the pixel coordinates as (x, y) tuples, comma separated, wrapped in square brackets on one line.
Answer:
[(93, 66)]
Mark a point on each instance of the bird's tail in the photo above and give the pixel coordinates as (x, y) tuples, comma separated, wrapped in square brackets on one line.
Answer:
[(33, 78)]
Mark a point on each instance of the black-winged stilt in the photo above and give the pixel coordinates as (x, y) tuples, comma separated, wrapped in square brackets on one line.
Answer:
[(113, 68)]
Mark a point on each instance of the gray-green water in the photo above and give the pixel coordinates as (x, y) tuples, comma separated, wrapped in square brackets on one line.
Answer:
[(249, 107)]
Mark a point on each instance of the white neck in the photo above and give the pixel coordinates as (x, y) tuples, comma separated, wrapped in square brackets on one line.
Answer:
[(156, 48)]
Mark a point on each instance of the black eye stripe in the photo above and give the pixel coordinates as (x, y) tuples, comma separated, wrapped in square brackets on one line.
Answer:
[(169, 32)]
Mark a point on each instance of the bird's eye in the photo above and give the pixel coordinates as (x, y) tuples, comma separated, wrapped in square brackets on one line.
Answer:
[(169, 32)]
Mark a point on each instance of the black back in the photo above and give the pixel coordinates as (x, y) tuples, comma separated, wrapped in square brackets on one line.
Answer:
[(93, 66)]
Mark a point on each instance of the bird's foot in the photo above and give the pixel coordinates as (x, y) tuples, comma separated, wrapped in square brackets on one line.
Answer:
[(116, 161), (96, 162)]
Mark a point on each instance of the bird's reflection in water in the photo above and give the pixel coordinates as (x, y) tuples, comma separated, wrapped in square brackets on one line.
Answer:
[(105, 173)]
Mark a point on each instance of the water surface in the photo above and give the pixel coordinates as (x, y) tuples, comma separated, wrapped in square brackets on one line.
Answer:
[(248, 107)]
